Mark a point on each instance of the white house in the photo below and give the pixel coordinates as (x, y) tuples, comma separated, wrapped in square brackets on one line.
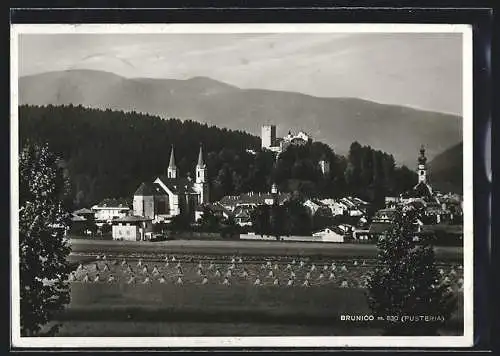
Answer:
[(346, 228), (336, 207), (329, 235), (108, 210), (312, 205), (252, 200), (355, 212), (132, 228), (391, 201)]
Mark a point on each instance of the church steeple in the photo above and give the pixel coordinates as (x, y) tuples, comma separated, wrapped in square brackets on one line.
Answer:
[(422, 169), (201, 168), (201, 162), (172, 168), (201, 184)]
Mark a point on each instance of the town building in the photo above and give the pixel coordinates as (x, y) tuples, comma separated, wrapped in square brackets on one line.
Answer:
[(316, 207), (330, 234), (355, 206), (171, 195), (132, 228), (313, 205), (243, 216), (335, 206), (85, 213), (252, 200), (110, 209), (215, 208)]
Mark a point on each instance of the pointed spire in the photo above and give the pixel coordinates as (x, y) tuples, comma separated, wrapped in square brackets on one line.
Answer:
[(201, 162), (172, 168), (172, 159)]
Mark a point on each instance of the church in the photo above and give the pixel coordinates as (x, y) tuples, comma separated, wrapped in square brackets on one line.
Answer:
[(422, 189), (172, 195)]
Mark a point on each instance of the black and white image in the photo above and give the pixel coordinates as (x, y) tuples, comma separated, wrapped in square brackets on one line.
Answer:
[(259, 185)]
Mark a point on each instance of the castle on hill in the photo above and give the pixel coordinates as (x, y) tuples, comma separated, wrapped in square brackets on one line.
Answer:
[(171, 195), (270, 142)]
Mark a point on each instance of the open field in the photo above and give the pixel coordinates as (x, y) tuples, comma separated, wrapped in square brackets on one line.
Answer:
[(257, 248), (179, 329), (116, 308)]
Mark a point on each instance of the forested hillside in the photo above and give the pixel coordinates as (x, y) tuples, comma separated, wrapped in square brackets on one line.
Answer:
[(108, 153), (446, 170)]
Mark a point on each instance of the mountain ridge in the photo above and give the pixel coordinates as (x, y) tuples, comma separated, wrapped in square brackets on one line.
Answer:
[(335, 121), (208, 79)]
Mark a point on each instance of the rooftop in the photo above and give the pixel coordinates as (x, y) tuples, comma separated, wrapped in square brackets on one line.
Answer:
[(112, 203), (131, 218), (145, 189), (253, 198), (77, 218), (83, 211), (178, 185)]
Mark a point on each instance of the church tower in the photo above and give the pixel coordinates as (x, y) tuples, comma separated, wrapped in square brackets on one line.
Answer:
[(422, 170), (172, 168), (201, 168), (201, 185)]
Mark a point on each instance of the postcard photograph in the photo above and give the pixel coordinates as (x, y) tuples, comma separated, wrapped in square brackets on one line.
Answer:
[(256, 185)]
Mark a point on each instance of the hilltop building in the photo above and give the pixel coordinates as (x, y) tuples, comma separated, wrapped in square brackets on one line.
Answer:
[(270, 142), (172, 195)]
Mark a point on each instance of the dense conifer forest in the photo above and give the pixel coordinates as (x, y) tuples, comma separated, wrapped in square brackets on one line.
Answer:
[(107, 154)]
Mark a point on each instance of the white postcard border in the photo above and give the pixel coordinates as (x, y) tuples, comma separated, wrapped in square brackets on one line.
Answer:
[(206, 342)]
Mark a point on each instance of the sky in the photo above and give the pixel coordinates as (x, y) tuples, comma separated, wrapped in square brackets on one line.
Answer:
[(420, 70)]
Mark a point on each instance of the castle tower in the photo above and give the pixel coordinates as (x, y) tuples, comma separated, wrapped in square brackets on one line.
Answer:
[(201, 185), (422, 169), (268, 136), (172, 168), (324, 166)]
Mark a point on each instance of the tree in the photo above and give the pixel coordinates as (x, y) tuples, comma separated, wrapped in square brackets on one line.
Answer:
[(406, 280), (209, 222), (298, 220), (277, 221), (260, 217), (229, 228), (179, 223), (90, 224), (43, 248)]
